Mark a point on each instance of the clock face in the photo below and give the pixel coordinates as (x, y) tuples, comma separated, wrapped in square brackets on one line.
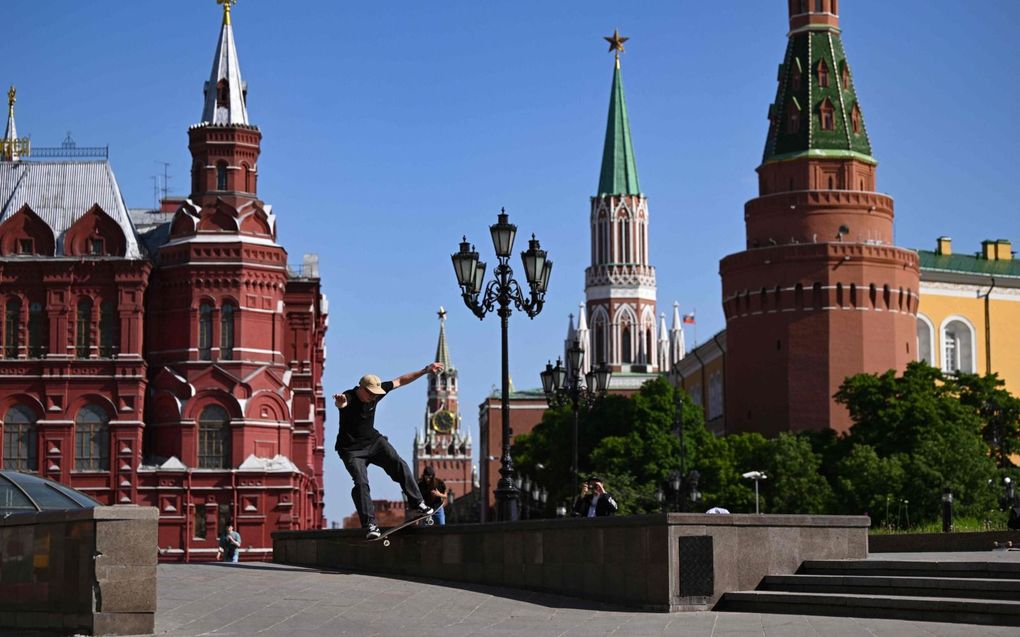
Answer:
[(442, 421)]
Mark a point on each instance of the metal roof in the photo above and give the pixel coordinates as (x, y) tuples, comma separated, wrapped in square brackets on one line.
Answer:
[(28, 493), (61, 192), (225, 67)]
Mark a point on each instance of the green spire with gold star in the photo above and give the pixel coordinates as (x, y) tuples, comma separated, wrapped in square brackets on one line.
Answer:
[(619, 168)]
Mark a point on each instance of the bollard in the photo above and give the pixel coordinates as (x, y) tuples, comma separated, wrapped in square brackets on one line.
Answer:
[(947, 509)]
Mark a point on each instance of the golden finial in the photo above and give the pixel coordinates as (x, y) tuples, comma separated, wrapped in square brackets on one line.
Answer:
[(11, 96), (441, 313), (616, 44), (226, 9)]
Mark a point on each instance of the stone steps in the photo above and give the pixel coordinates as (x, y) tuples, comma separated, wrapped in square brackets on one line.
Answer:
[(958, 592)]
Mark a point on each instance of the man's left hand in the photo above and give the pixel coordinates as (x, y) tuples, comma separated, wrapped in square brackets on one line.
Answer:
[(433, 368)]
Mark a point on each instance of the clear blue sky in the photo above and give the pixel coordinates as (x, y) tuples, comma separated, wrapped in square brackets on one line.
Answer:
[(392, 128)]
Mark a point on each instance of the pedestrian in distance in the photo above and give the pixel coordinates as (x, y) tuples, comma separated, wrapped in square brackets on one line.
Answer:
[(359, 444), (434, 491), (230, 545), (594, 500)]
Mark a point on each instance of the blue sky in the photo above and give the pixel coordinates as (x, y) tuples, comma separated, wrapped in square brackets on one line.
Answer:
[(392, 128)]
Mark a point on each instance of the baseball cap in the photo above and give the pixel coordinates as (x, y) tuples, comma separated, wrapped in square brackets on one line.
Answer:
[(429, 471), (372, 384)]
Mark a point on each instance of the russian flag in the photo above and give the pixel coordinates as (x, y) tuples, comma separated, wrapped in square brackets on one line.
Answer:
[(689, 318)]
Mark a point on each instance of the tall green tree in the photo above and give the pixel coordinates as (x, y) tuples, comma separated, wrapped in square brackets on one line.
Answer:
[(918, 420), (998, 410)]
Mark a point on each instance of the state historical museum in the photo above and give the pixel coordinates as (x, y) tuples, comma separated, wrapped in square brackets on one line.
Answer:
[(166, 359)]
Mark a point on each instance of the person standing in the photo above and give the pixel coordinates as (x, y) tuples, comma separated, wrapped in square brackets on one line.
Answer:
[(359, 445), (230, 545), (595, 501), (434, 491)]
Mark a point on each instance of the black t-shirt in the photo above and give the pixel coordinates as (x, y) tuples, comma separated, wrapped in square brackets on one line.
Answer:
[(426, 492), (357, 421)]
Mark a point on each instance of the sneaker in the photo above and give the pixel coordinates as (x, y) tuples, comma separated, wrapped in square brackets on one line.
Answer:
[(373, 532), (423, 510)]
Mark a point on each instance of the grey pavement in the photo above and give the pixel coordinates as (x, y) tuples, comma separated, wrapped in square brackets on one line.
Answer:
[(271, 600)]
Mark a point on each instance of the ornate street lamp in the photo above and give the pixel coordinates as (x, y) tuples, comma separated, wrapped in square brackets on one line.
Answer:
[(566, 386), (502, 292)]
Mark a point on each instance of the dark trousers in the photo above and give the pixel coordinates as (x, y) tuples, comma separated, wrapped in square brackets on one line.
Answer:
[(382, 454)]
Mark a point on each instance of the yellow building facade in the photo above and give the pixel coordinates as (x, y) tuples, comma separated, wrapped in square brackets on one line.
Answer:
[(969, 314)]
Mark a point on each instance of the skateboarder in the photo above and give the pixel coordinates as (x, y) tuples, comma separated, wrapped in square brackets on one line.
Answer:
[(359, 445)]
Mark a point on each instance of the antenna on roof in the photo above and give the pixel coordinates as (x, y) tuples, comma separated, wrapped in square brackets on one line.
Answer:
[(166, 178), (155, 192)]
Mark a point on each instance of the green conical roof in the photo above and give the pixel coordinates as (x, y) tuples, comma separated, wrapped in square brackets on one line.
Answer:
[(813, 56), (619, 170)]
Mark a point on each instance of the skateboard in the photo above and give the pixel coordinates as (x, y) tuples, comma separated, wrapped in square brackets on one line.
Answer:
[(384, 538)]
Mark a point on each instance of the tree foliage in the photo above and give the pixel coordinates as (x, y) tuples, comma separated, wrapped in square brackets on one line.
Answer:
[(913, 434)]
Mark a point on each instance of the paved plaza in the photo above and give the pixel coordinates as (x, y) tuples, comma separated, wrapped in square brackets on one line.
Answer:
[(271, 600)]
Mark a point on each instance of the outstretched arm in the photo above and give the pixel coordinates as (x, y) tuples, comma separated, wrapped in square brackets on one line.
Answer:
[(409, 377)]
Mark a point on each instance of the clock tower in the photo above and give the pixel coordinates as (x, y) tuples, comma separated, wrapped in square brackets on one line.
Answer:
[(440, 444)]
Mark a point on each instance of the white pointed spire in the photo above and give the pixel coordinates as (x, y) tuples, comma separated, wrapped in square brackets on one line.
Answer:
[(10, 146), (584, 337), (662, 347), (225, 92), (677, 347)]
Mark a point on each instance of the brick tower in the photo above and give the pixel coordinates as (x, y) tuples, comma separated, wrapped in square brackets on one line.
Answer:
[(235, 340), (441, 444), (820, 292), (619, 285)]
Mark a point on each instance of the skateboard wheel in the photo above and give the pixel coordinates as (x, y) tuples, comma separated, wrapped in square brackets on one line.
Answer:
[(429, 522), (385, 542)]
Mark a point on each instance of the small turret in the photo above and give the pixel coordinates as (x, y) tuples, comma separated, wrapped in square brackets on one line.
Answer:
[(814, 14), (10, 142)]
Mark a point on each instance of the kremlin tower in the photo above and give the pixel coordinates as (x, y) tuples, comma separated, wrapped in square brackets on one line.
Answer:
[(820, 291), (620, 284)]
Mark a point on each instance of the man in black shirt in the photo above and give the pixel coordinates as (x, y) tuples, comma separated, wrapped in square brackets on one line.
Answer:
[(359, 444)]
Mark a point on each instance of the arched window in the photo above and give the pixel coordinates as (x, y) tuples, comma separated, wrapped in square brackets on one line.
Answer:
[(221, 176), (823, 74), (21, 452), (108, 332), (83, 332), (924, 340), (762, 300), (855, 119), (957, 347), (873, 296), (648, 346), (247, 177), (223, 94), (839, 294), (600, 341), (37, 332), (844, 73), (798, 296), (886, 297), (227, 332), (214, 438), (92, 440), (816, 296), (625, 344), (205, 331), (827, 115), (853, 295), (818, 6), (792, 122), (12, 327)]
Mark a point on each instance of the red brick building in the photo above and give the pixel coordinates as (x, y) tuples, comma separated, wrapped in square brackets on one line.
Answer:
[(820, 292), (170, 359)]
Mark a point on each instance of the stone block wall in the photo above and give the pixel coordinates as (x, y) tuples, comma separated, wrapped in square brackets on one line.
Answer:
[(89, 570), (657, 562)]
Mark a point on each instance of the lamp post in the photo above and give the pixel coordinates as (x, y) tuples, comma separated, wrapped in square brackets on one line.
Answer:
[(567, 386), (500, 294), (756, 476)]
